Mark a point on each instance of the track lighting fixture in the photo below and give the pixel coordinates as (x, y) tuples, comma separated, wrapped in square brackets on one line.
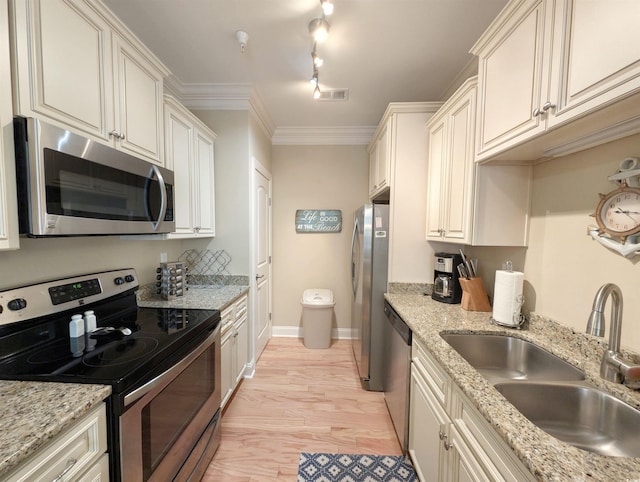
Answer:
[(319, 29), (327, 7)]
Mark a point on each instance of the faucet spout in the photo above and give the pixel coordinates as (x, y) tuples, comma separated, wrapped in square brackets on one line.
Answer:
[(614, 367)]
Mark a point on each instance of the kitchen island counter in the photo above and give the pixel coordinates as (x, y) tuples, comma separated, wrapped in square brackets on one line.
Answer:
[(546, 457), (200, 297), (33, 413)]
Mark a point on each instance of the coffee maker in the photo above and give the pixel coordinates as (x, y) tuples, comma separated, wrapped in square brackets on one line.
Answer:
[(446, 286)]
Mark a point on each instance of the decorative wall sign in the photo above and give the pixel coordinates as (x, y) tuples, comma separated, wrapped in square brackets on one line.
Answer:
[(318, 221)]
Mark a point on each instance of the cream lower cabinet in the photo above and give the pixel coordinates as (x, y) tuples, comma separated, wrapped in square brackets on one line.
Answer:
[(190, 154), (77, 454), (556, 76), (468, 203), (449, 440), (75, 63), (235, 346)]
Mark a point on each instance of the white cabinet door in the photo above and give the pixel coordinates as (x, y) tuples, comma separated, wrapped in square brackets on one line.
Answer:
[(241, 330), (63, 57), (512, 74), (427, 420), (596, 55), (226, 366), (380, 159), (179, 157), (8, 200), (138, 93), (435, 178), (190, 154), (459, 177), (73, 66), (204, 183)]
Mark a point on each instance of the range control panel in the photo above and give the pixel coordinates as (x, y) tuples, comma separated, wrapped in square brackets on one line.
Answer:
[(33, 301)]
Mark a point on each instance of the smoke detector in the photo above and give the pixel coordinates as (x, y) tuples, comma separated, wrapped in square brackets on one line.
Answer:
[(242, 37)]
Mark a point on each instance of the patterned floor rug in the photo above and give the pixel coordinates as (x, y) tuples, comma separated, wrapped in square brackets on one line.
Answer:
[(316, 467)]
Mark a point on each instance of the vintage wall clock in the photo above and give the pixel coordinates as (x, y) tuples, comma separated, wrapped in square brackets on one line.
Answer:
[(618, 212)]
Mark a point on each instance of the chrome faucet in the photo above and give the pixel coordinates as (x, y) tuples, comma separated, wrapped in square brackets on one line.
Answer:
[(613, 368)]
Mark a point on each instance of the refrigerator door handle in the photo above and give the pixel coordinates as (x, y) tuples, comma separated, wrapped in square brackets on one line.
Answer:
[(354, 278)]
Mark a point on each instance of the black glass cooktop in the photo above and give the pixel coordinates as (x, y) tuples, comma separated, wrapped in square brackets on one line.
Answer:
[(41, 350)]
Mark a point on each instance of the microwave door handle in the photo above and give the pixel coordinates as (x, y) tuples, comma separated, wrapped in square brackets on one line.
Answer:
[(163, 197)]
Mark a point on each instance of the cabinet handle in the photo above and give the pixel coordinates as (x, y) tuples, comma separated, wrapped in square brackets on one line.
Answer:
[(548, 105), (259, 277), (70, 463), (448, 445)]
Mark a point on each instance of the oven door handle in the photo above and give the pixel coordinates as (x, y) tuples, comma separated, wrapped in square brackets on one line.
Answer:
[(173, 372)]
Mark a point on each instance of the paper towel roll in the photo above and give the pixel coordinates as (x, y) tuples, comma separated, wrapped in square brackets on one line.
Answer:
[(507, 297)]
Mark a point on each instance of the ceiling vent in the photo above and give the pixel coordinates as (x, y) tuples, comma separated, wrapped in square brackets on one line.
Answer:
[(334, 94)]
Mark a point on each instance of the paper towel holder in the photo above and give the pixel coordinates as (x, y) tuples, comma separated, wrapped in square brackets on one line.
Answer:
[(518, 317)]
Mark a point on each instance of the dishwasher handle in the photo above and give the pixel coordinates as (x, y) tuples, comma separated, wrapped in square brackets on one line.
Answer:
[(397, 323)]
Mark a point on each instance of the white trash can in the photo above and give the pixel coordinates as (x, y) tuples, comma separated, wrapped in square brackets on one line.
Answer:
[(317, 317)]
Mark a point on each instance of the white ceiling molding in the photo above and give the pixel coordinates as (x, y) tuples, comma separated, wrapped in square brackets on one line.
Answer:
[(221, 97), (303, 136), (244, 97)]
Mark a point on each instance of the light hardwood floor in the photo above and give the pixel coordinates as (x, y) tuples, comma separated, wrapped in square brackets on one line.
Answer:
[(299, 400)]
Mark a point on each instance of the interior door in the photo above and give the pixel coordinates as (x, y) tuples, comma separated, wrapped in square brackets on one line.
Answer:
[(262, 256)]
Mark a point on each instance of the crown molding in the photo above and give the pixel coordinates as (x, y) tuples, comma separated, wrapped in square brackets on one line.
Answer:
[(222, 97), (305, 136), (245, 97)]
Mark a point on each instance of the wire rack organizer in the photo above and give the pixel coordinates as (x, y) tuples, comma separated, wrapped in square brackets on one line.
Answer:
[(207, 263)]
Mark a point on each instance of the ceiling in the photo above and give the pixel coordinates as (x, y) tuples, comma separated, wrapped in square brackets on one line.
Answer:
[(381, 50)]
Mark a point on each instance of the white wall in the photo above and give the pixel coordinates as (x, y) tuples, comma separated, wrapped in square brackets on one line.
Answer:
[(232, 183), (314, 177), (45, 259), (563, 266)]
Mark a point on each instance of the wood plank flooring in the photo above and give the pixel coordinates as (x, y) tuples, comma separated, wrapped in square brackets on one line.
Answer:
[(299, 400)]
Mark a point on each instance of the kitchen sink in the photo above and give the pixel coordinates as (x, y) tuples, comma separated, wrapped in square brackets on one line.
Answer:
[(580, 415), (500, 358)]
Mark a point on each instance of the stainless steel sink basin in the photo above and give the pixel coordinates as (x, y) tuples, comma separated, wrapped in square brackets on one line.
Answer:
[(499, 357), (580, 415)]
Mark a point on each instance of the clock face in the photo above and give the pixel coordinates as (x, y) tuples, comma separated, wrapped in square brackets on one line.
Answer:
[(619, 212)]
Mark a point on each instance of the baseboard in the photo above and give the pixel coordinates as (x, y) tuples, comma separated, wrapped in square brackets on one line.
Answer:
[(297, 332)]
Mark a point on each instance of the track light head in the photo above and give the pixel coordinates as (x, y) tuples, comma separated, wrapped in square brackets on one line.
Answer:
[(319, 29)]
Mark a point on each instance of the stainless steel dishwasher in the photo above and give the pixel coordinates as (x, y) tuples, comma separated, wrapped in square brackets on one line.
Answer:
[(398, 373)]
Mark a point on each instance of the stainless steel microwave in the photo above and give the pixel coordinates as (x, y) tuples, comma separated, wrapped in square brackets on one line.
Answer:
[(69, 185)]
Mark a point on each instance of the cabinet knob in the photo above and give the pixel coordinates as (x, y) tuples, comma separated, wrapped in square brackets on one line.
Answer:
[(442, 435), (114, 134), (536, 112), (548, 105), (121, 136), (448, 445)]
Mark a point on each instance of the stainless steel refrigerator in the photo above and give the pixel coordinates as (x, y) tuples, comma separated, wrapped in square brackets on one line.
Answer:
[(369, 260)]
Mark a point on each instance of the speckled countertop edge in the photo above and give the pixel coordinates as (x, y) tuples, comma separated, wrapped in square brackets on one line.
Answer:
[(547, 458), (203, 297), (35, 412)]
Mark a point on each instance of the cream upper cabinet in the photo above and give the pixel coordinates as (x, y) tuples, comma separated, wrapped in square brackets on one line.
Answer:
[(469, 203), (380, 159), (450, 174), (190, 154), (557, 76), (596, 55), (76, 64), (512, 76), (8, 200)]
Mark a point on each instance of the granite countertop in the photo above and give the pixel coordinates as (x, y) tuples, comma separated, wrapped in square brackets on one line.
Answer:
[(35, 412), (546, 457), (203, 297)]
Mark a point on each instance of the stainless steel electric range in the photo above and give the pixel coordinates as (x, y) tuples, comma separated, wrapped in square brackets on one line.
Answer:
[(163, 366)]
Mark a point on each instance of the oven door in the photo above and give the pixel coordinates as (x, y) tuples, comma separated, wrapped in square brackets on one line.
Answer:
[(170, 422)]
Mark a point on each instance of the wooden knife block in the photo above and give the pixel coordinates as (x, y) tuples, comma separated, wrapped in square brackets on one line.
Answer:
[(474, 296)]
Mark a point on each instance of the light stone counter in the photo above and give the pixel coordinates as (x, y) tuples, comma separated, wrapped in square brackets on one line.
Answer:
[(35, 412), (202, 297), (547, 458)]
